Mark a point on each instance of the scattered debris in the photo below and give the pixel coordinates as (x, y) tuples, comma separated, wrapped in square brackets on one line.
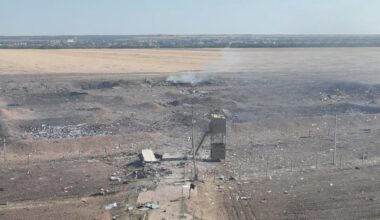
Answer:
[(174, 103), (150, 170), (130, 207), (66, 188), (101, 192), (244, 198), (110, 206), (115, 178), (151, 205), (70, 131), (220, 188)]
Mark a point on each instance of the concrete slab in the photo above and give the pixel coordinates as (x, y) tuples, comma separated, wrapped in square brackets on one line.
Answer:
[(148, 155)]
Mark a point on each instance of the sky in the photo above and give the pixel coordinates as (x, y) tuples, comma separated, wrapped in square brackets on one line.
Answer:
[(135, 17)]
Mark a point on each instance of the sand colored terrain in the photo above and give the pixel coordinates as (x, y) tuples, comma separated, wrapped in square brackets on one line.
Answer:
[(103, 61), (318, 61)]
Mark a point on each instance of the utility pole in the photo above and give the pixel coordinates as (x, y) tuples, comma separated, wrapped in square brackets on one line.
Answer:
[(291, 165), (185, 172), (240, 173), (5, 150), (266, 167), (328, 132), (214, 174), (192, 141), (316, 160), (336, 122)]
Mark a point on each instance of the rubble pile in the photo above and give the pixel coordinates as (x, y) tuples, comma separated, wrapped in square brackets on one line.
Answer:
[(153, 170), (70, 131)]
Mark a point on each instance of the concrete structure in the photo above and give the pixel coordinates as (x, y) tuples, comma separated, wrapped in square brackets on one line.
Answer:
[(218, 129), (217, 132), (148, 156)]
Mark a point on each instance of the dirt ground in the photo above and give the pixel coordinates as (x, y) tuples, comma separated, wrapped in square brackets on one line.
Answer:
[(104, 61), (70, 124)]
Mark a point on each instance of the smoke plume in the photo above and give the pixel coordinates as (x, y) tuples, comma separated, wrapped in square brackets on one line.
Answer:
[(229, 61)]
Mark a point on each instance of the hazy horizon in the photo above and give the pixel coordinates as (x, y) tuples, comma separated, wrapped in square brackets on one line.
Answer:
[(284, 35), (208, 17)]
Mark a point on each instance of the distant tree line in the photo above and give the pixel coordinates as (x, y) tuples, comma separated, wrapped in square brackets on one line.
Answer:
[(188, 41)]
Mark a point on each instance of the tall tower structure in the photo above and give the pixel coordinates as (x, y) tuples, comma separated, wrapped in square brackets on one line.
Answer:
[(217, 132)]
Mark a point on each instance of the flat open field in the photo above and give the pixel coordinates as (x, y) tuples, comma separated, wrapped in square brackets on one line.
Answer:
[(319, 61), (103, 61), (70, 124)]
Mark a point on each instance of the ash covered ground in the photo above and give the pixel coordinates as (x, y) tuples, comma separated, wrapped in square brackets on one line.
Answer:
[(66, 134)]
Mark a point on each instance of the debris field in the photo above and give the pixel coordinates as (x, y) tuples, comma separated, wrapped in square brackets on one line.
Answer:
[(77, 146)]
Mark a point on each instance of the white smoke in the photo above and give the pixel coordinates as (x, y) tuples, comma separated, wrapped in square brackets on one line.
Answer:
[(192, 78), (229, 61)]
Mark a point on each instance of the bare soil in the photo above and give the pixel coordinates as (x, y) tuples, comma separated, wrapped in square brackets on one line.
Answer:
[(71, 123)]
